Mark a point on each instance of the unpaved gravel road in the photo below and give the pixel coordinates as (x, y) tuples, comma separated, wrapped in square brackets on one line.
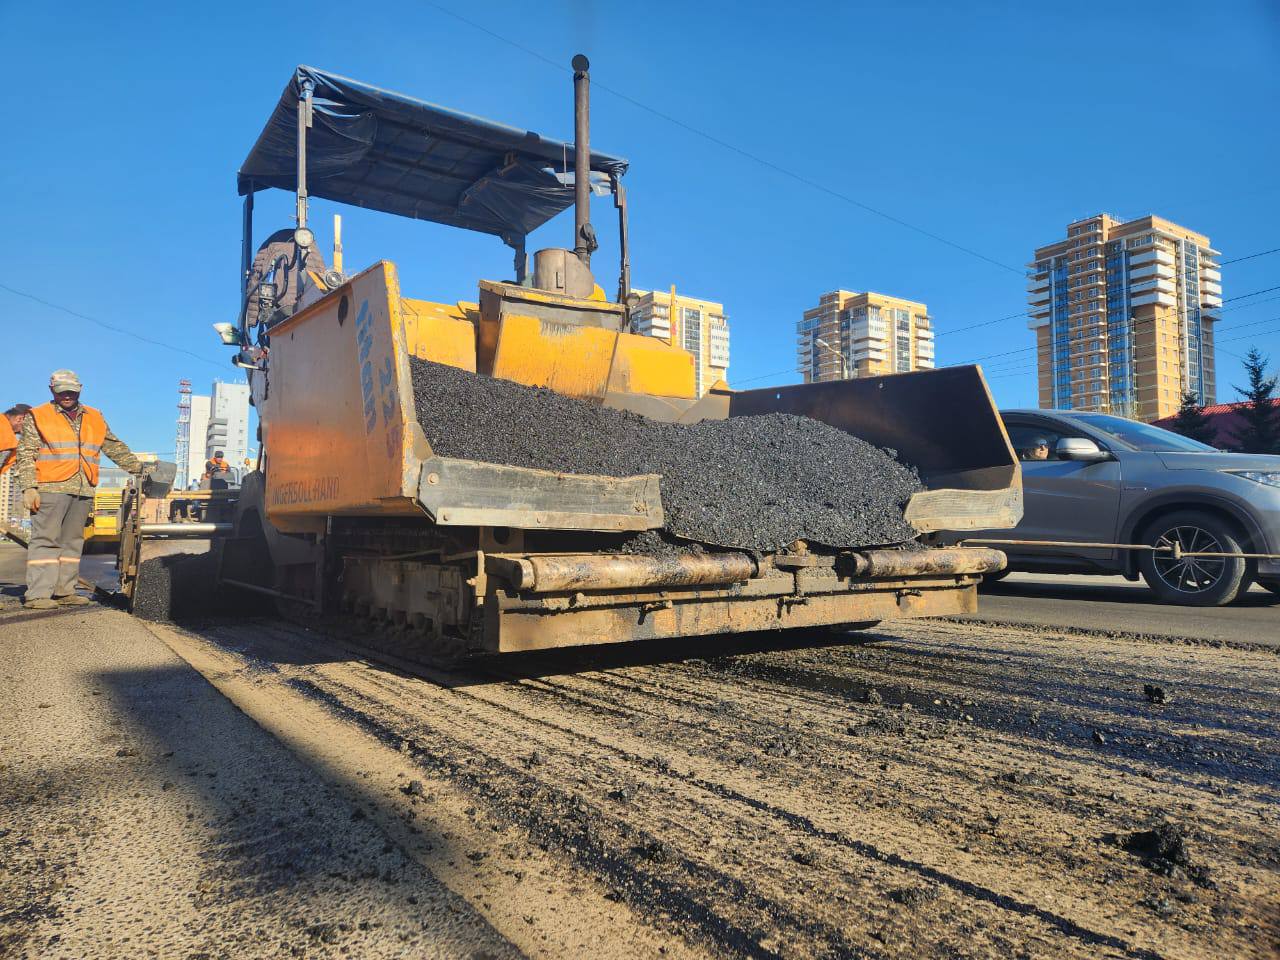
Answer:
[(947, 790)]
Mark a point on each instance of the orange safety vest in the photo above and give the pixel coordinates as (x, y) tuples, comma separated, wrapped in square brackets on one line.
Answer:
[(8, 444), (63, 451)]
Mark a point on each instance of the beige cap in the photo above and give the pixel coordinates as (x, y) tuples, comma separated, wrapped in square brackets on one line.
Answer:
[(61, 380)]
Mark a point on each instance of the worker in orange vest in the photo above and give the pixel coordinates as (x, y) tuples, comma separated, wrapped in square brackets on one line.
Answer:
[(215, 465), (58, 469), (10, 428)]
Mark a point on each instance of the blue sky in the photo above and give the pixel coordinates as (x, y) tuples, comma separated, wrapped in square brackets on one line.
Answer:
[(989, 124)]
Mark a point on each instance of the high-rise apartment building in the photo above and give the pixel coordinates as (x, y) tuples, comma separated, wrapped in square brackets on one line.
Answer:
[(228, 428), (852, 334), (199, 445), (191, 468), (11, 508), (698, 326), (1123, 315), (219, 421)]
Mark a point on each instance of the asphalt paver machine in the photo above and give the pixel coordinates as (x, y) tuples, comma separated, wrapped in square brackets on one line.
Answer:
[(352, 513)]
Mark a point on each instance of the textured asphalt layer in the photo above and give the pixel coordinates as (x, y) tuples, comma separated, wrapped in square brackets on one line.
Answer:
[(749, 482), (175, 587), (142, 815)]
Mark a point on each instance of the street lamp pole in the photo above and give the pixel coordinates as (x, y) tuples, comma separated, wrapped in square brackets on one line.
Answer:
[(844, 371)]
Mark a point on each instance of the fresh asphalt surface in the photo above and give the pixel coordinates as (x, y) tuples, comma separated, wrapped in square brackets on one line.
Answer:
[(1113, 604), (257, 788)]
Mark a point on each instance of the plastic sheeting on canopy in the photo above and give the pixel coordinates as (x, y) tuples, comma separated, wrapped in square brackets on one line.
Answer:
[(385, 151)]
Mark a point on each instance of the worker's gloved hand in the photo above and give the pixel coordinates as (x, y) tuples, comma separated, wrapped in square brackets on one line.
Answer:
[(31, 500)]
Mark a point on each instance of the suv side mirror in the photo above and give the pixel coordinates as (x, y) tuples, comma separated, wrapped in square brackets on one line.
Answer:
[(1081, 449)]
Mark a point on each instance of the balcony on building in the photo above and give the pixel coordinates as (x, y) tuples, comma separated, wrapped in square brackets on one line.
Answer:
[(1036, 285), (868, 328), (1210, 287), (1147, 286), (1210, 274), (1157, 297), (1210, 301), (1152, 255), (654, 328), (1152, 270)]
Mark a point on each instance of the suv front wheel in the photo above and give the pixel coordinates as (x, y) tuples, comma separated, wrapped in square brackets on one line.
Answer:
[(1193, 581)]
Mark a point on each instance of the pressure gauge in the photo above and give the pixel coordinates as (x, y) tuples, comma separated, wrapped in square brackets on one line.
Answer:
[(303, 237)]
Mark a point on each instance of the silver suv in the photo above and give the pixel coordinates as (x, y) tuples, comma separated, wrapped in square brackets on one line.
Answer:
[(1094, 478)]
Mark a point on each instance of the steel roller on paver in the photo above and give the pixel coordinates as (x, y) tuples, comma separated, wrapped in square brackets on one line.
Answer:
[(523, 471)]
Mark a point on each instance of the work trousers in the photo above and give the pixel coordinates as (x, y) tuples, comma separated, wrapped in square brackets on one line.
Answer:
[(57, 538)]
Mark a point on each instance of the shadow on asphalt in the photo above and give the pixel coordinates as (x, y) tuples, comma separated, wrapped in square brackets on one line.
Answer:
[(644, 653), (274, 641), (274, 822)]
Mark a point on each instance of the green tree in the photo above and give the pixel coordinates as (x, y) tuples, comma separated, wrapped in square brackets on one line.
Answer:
[(1191, 421), (1261, 430)]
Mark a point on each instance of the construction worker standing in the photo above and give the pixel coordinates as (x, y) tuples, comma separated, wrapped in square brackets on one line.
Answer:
[(58, 468), (10, 428)]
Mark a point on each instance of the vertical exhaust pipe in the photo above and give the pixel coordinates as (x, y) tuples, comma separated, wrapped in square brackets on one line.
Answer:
[(584, 235)]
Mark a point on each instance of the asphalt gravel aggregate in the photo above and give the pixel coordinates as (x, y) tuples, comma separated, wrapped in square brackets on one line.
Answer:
[(176, 587), (755, 483)]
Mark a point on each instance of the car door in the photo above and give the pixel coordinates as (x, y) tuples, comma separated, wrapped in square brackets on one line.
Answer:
[(1065, 499)]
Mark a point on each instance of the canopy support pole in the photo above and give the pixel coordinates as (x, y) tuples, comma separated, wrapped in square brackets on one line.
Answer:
[(583, 234), (624, 245), (246, 243), (304, 121), (521, 260)]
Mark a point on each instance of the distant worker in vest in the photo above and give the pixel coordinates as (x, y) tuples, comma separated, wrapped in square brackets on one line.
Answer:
[(10, 430), (58, 468), (216, 471)]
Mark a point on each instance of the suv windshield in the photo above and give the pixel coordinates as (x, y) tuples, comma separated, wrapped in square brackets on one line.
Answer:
[(1141, 436)]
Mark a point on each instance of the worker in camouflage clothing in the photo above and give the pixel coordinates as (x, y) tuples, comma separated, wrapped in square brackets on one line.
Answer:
[(58, 456)]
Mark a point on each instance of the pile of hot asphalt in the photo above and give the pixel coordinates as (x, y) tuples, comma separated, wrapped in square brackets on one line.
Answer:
[(755, 483)]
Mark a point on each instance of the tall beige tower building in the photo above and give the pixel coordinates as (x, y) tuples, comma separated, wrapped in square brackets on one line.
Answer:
[(1123, 315), (852, 334), (698, 326), (11, 508)]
